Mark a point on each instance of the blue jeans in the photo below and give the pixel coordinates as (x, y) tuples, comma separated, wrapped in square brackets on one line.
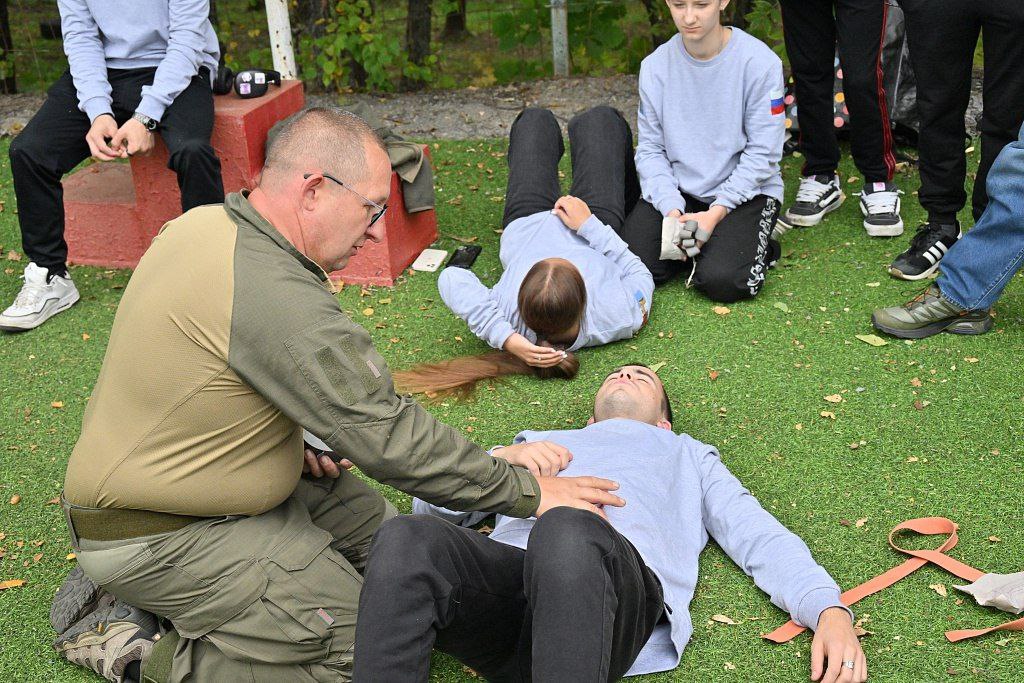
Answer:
[(979, 266)]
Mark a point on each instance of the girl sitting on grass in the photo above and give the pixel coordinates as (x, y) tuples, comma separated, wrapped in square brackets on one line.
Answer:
[(569, 280), (711, 128)]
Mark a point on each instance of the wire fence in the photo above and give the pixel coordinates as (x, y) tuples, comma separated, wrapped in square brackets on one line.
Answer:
[(503, 40)]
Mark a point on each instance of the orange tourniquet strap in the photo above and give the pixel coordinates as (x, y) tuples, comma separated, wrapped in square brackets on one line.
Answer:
[(919, 558)]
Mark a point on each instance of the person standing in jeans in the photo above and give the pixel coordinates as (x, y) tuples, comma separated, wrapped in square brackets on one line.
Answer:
[(710, 133), (977, 268), (942, 36), (813, 29), (136, 67)]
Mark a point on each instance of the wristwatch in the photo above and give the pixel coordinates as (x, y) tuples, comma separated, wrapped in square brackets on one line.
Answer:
[(149, 123)]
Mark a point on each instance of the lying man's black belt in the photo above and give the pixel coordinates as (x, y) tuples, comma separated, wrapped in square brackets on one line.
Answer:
[(114, 524)]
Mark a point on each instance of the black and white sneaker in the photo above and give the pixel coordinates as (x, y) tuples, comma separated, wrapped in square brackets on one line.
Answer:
[(880, 204), (816, 196), (929, 245)]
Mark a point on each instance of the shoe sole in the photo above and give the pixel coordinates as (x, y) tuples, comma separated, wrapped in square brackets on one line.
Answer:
[(951, 326), (900, 275), (135, 651), (77, 596), (814, 218), (62, 305), (894, 230)]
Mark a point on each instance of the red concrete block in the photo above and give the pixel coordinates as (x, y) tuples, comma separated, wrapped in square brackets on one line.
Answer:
[(111, 216), (405, 236)]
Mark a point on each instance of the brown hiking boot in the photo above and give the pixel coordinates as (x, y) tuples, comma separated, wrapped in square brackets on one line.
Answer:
[(108, 640)]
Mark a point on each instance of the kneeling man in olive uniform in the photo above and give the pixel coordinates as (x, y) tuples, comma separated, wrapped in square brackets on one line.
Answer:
[(185, 493)]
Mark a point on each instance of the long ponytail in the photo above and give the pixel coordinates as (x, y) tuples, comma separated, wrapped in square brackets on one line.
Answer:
[(552, 299)]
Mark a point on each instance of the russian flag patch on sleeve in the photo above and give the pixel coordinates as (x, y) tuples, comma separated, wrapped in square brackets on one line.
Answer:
[(777, 101)]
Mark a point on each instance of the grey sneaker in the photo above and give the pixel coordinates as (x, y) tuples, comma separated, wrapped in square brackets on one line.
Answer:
[(41, 297), (816, 196), (76, 597), (927, 314), (880, 204), (108, 640)]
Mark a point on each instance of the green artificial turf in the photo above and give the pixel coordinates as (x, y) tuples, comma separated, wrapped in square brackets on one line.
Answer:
[(957, 454)]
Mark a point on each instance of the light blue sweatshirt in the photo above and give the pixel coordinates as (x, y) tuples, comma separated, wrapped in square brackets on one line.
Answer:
[(712, 129), (678, 494), (175, 36), (619, 286)]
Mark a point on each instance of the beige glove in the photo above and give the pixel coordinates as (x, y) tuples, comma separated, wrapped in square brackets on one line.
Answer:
[(679, 238)]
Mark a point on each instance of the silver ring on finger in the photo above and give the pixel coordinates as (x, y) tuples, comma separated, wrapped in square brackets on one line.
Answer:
[(849, 663)]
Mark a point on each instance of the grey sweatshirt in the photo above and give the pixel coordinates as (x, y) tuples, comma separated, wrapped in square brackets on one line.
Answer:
[(619, 286), (678, 494), (175, 36), (712, 129)]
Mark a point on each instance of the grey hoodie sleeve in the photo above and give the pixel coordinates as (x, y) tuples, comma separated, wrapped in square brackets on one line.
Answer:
[(463, 292), (779, 562), (636, 278), (766, 133), (657, 181), (422, 507), (88, 64)]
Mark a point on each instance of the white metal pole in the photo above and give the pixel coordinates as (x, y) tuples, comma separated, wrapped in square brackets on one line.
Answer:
[(281, 37), (560, 37)]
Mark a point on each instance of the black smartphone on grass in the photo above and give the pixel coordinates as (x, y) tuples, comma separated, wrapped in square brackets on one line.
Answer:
[(464, 256)]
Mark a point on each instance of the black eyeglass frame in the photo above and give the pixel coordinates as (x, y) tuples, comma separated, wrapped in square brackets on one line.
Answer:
[(381, 208)]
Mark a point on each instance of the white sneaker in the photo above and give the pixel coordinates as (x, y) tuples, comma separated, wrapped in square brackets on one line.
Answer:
[(816, 196), (880, 204), (38, 300)]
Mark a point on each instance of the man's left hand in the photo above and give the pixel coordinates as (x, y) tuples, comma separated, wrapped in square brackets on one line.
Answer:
[(542, 458), (835, 641), (323, 466), (706, 220), (133, 139)]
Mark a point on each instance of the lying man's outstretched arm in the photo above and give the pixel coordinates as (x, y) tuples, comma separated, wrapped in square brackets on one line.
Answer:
[(781, 565)]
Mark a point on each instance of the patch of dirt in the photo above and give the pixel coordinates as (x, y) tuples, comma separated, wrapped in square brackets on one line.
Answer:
[(470, 113)]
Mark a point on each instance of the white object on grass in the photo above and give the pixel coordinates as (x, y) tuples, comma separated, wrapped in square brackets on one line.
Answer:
[(429, 260)]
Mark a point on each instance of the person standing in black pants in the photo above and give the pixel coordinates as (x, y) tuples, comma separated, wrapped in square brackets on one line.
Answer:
[(813, 29), (136, 68), (942, 36)]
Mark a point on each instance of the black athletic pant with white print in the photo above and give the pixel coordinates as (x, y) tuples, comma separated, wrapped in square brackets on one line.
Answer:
[(734, 262), (813, 29)]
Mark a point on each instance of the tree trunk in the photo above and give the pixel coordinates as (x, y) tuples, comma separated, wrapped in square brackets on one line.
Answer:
[(8, 84), (455, 24), (417, 38)]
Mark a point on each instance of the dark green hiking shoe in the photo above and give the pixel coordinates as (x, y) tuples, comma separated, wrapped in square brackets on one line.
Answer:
[(76, 597), (927, 314), (110, 639)]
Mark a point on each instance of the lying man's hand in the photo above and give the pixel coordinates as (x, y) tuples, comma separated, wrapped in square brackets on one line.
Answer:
[(585, 493), (542, 458), (323, 466), (835, 641)]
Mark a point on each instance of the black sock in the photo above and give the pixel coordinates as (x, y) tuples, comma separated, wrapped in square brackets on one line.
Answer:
[(53, 271)]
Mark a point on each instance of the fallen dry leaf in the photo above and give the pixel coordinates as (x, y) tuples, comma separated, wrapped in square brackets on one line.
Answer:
[(70, 556), (54, 501), (919, 405), (798, 426), (781, 306), (938, 588), (15, 499), (57, 404), (729, 666), (872, 339), (722, 619), (713, 375), (1003, 643), (844, 522), (995, 539), (860, 631), (830, 415), (367, 312), (658, 366), (85, 337), (722, 310), (874, 284), (915, 382), (834, 398), (13, 256), (971, 359), (861, 522), (913, 458), (37, 557), (11, 583)]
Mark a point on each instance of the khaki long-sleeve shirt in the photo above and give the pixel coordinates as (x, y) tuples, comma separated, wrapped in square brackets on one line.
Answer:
[(226, 340)]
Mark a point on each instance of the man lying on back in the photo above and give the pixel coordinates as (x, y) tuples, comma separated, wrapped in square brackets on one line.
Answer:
[(576, 596)]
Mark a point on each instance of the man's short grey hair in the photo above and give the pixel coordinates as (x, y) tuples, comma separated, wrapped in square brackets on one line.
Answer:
[(326, 137)]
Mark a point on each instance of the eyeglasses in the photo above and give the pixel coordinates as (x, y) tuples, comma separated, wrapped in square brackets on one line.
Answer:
[(381, 208)]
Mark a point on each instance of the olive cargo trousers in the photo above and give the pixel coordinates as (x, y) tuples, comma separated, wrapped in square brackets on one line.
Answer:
[(271, 597)]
